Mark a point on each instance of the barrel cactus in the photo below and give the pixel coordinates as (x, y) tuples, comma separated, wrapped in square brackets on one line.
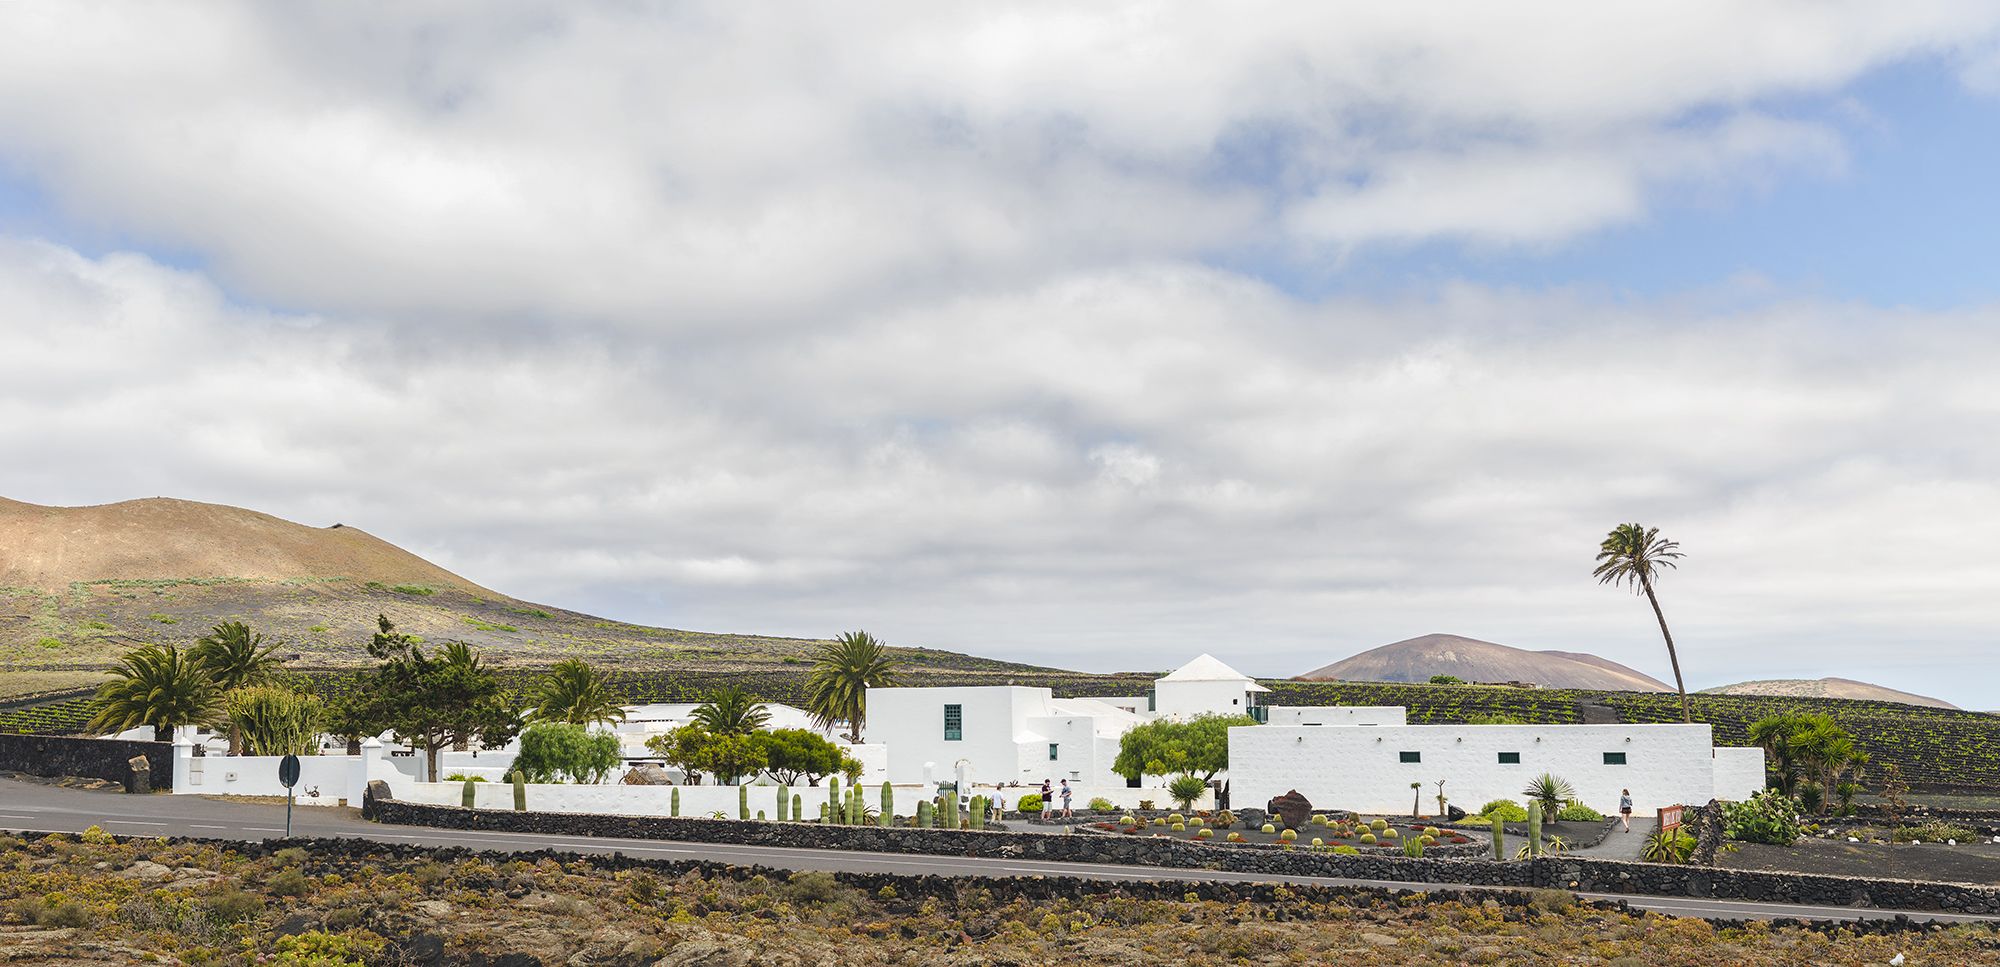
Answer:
[(798, 809), (520, 792), (467, 796), (924, 813), (1499, 839), (951, 811), (979, 812), (742, 802), (674, 802), (834, 804), (784, 799), (888, 817)]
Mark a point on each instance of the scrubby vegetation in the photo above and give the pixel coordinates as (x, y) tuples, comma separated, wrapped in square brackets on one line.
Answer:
[(74, 898)]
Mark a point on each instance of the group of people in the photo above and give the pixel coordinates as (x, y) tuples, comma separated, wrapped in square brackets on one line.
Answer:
[(1049, 799)]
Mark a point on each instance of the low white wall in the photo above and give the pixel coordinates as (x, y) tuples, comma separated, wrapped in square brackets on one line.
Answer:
[(625, 800), (323, 779), (1739, 773), (1361, 768)]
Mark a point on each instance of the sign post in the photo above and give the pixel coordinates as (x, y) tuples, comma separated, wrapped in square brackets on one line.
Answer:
[(288, 775), (1670, 818)]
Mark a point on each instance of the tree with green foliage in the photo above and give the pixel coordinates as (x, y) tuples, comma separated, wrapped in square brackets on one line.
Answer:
[(843, 672), (794, 754), (1635, 555), (158, 686), (574, 692), (431, 702), (730, 710), (681, 749), (695, 750), (271, 720), (235, 657), (558, 751), (1198, 747), (1806, 747), (1447, 680)]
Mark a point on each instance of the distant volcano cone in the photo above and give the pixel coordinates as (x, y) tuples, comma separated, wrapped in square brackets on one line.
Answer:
[(1417, 659)]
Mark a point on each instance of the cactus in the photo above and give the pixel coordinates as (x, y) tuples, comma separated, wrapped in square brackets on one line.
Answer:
[(784, 799), (888, 804), (760, 815), (742, 802), (1413, 848), (1534, 830), (951, 811), (674, 803), (833, 800), (822, 813), (466, 797), (979, 812), (520, 792), (1499, 839), (798, 809), (924, 813)]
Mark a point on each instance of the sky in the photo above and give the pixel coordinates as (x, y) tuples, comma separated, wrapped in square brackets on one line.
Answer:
[(1096, 336)]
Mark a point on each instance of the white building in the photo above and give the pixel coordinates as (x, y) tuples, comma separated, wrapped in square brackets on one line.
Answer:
[(1370, 769), (996, 734), (1206, 686)]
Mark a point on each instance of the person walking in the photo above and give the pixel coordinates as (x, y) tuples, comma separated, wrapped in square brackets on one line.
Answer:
[(1048, 799), (1066, 793), (1625, 808)]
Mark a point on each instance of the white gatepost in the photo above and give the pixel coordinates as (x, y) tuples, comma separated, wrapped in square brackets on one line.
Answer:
[(368, 765), (184, 777)]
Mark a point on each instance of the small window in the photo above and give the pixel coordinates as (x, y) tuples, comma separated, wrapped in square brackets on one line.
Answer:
[(1614, 758), (1132, 783), (954, 723), (1510, 758), (1410, 756), (1052, 751)]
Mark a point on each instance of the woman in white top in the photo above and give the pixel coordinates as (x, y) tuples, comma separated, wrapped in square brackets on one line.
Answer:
[(1625, 808)]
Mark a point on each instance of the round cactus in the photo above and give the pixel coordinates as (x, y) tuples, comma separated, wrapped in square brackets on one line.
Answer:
[(1204, 833), (1268, 829), (1175, 818), (1235, 837), (1391, 834), (1178, 827), (1368, 839), (1379, 825), (1289, 836), (1318, 842), (1317, 820)]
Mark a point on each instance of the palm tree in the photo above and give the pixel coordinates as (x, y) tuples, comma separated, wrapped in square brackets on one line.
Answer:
[(1632, 554), (1549, 793), (235, 657), (574, 692), (156, 686), (730, 710), (843, 672)]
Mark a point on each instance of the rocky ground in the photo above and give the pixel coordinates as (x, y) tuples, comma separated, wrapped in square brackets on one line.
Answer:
[(90, 899)]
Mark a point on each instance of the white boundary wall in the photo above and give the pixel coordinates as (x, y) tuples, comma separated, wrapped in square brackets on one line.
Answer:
[(700, 801), (1361, 768), (1739, 773)]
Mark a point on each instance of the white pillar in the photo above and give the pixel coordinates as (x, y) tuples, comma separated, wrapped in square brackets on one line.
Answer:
[(368, 765), (183, 764)]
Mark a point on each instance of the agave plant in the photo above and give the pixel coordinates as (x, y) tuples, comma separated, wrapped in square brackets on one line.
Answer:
[(1551, 793)]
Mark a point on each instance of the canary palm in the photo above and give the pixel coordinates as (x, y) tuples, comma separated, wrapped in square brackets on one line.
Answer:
[(730, 710), (574, 692), (843, 672), (1633, 554), (236, 657), (160, 687)]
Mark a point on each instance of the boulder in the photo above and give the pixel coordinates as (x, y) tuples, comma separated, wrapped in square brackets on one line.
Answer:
[(647, 774), (1296, 809)]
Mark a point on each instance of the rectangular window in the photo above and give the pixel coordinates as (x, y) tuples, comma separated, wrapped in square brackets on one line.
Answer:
[(1510, 758), (1052, 751), (954, 723), (1410, 756), (1614, 758)]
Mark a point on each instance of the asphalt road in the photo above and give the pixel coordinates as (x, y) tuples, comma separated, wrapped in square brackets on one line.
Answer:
[(33, 807)]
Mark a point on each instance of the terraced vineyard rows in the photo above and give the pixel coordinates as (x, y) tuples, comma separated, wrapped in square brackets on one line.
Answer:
[(1934, 747)]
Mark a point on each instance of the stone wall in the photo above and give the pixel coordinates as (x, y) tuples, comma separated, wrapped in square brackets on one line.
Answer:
[(1596, 876), (53, 755)]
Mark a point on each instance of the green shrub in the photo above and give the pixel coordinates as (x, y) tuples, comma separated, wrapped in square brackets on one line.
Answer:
[(462, 777), (1577, 812), (1662, 846), (1768, 817), (1413, 848), (1102, 805), (413, 589), (1186, 789), (287, 883), (1030, 803), (560, 750), (317, 948), (231, 905), (1934, 831), (1346, 850)]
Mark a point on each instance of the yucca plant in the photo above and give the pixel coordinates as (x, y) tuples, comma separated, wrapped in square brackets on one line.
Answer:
[(157, 686), (1550, 793)]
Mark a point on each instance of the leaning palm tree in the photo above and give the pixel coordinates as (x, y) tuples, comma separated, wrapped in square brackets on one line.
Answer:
[(843, 672), (236, 657), (574, 692), (730, 710), (1632, 554), (160, 687)]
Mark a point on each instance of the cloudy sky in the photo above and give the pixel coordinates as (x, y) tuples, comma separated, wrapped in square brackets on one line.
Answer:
[(1090, 335)]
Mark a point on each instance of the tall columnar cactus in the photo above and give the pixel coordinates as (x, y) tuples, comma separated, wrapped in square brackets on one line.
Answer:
[(784, 799), (824, 815), (857, 807), (888, 817), (979, 812), (674, 803), (1534, 829), (951, 811), (742, 802), (798, 809), (520, 792), (1499, 838), (467, 796), (924, 813), (833, 801)]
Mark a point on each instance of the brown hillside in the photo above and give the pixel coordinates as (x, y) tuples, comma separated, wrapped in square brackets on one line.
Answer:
[(50, 548), (1828, 688), (1417, 659)]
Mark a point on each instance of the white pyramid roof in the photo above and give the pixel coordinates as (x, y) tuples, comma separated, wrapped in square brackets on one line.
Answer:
[(1208, 668)]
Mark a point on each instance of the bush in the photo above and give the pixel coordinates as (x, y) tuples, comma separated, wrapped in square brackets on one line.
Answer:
[(1667, 847), (1346, 850), (231, 905), (317, 948), (557, 750), (1768, 817), (1102, 805), (1934, 831), (1505, 810), (462, 777), (287, 883), (1186, 789), (1577, 812), (1030, 803)]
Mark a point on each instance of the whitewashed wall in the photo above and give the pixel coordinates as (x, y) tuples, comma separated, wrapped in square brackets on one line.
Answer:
[(1330, 715), (1189, 699), (1739, 773), (697, 801), (1359, 768), (324, 780), (910, 722)]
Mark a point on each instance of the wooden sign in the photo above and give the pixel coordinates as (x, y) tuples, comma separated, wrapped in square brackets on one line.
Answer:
[(1670, 817)]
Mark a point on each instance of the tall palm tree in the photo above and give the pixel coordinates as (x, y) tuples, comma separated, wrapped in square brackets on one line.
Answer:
[(236, 657), (843, 672), (574, 692), (1633, 554), (730, 710), (160, 687)]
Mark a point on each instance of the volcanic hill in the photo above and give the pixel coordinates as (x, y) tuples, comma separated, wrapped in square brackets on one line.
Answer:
[(1417, 659), (81, 585), (1827, 688)]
